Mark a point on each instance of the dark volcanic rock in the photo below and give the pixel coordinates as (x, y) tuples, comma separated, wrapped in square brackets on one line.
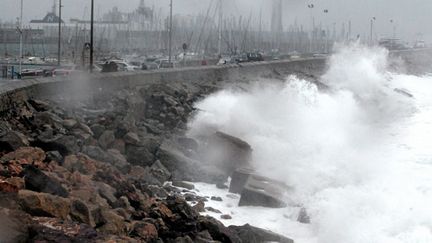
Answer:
[(218, 231), (183, 184), (106, 139), (105, 181), (80, 212), (139, 155), (61, 143), (43, 204), (303, 216), (252, 234), (38, 181), (218, 199), (54, 156), (239, 179), (54, 230), (97, 130), (14, 140), (261, 191), (13, 227), (131, 138), (227, 152), (187, 169), (145, 231)]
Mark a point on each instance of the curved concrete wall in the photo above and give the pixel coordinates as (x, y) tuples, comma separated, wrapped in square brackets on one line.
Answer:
[(17, 91)]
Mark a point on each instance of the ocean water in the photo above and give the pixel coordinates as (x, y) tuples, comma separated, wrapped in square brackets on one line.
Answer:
[(358, 155)]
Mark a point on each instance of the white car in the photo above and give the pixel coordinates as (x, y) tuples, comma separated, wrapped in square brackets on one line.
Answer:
[(124, 66)]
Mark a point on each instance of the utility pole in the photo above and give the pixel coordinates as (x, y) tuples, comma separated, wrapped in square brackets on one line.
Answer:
[(59, 33), (170, 32), (372, 21), (394, 28), (311, 7), (91, 35), (21, 39), (220, 28)]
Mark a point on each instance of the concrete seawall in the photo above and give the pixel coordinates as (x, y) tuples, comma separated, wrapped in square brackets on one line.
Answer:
[(20, 90), (413, 61)]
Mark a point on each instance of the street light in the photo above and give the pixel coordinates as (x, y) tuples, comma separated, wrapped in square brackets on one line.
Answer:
[(327, 49), (311, 7), (21, 39), (91, 35), (170, 32), (394, 28), (372, 21), (59, 33)]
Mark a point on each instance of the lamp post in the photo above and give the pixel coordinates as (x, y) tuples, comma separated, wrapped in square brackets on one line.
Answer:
[(59, 33), (170, 32), (21, 39), (326, 33), (394, 28), (220, 28), (372, 21), (311, 7), (91, 35)]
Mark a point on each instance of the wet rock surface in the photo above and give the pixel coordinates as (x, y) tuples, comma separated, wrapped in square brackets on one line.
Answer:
[(96, 170)]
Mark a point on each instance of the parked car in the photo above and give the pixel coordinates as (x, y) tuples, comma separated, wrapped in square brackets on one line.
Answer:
[(167, 64), (109, 67), (124, 66), (254, 57), (226, 60), (241, 58), (149, 66)]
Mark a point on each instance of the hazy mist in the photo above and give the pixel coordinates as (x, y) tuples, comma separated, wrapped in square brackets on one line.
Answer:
[(410, 17)]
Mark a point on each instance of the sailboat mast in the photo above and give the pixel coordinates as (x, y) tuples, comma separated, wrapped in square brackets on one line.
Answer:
[(59, 33), (21, 39), (170, 32), (220, 28)]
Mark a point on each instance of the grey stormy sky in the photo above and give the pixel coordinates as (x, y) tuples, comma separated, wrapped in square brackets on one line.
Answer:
[(411, 17)]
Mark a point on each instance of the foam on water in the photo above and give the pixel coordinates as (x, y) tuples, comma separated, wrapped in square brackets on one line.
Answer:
[(359, 155)]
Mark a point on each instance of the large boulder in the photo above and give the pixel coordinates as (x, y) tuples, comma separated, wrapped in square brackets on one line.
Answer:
[(58, 230), (80, 163), (38, 181), (184, 168), (81, 212), (13, 140), (252, 234), (239, 179), (112, 223), (106, 140), (11, 164), (112, 156), (25, 155), (132, 138), (143, 153), (139, 155), (264, 192), (43, 204), (145, 231), (157, 174), (64, 144), (13, 226), (226, 152), (217, 230)]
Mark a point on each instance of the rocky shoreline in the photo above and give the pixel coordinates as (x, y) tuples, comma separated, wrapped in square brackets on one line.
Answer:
[(96, 170)]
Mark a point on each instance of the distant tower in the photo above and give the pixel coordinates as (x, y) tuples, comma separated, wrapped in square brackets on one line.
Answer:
[(54, 7), (142, 4), (276, 23)]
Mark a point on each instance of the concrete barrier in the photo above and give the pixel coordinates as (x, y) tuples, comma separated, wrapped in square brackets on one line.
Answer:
[(83, 83), (415, 60)]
